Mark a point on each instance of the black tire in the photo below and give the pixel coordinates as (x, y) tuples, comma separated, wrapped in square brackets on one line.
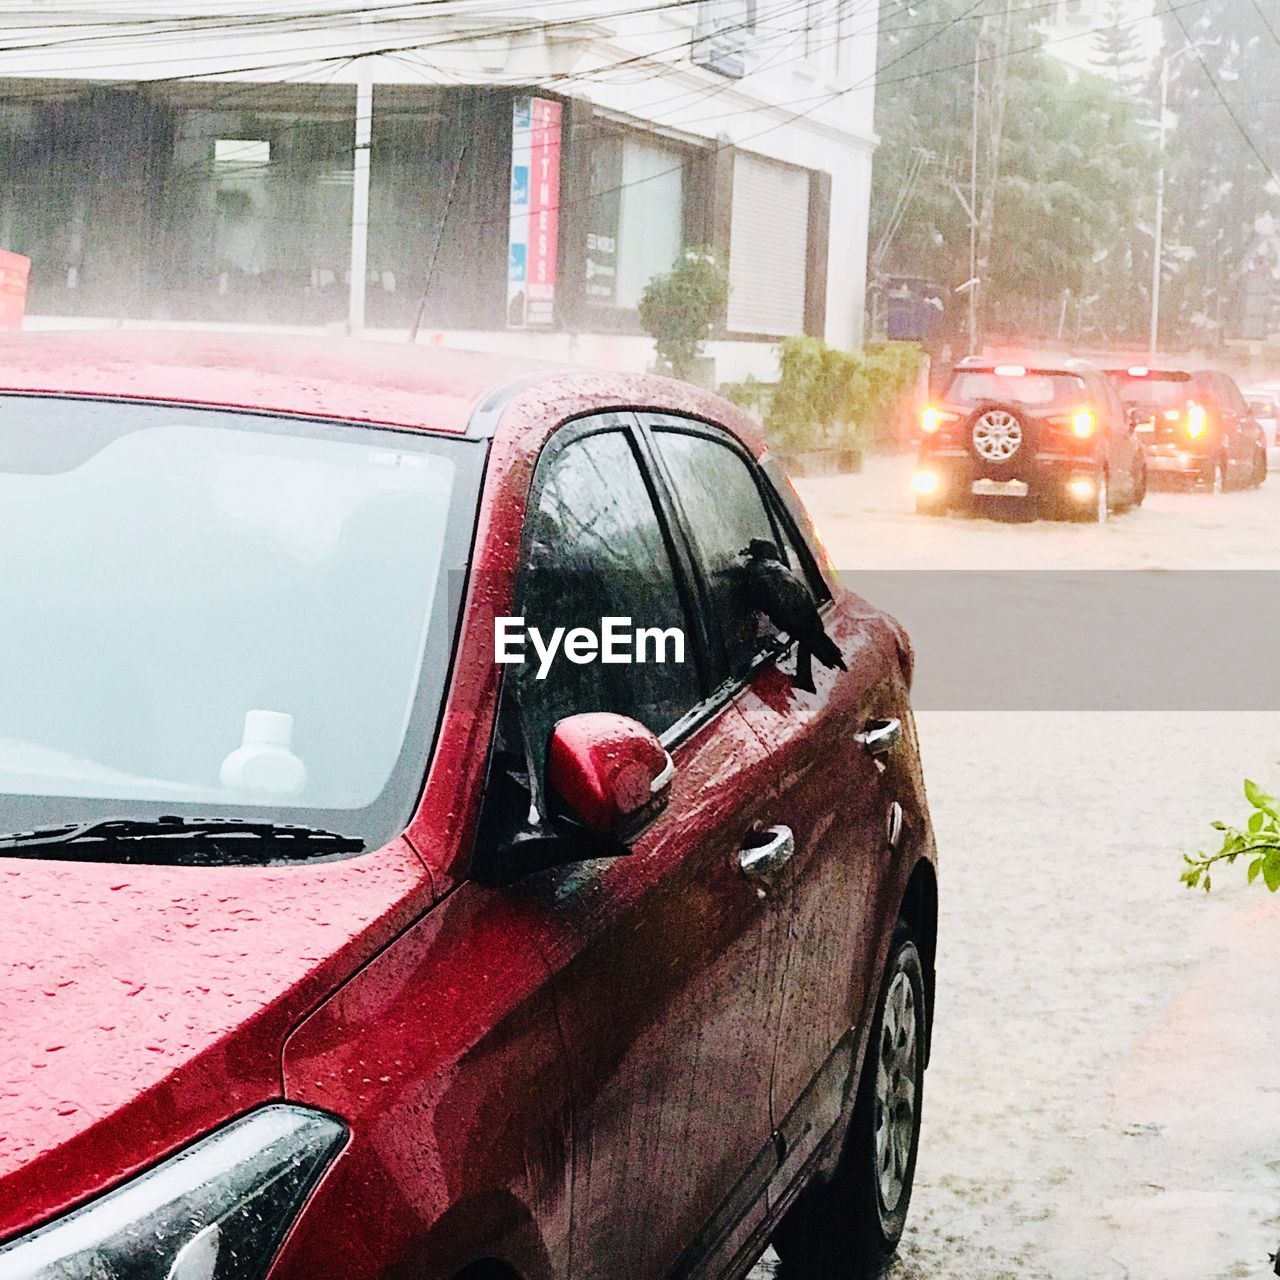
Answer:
[(1140, 485), (1213, 474), (1099, 510), (844, 1229), (1258, 476)]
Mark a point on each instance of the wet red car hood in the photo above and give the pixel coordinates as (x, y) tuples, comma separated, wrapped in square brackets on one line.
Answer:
[(143, 1006)]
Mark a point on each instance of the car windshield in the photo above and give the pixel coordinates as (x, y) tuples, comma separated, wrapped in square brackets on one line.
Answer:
[(222, 613), (1155, 392), (1041, 390)]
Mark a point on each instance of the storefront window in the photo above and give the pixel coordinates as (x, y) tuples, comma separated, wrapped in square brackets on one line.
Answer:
[(636, 227), (438, 202), (260, 217)]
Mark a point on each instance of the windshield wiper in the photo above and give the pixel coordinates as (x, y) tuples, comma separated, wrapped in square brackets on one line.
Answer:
[(174, 841)]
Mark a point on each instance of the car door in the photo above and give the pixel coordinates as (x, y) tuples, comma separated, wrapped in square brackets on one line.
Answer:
[(1247, 430), (1225, 416), (824, 788), (666, 963), (1122, 446)]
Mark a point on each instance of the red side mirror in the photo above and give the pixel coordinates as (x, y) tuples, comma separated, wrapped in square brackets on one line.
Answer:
[(609, 772)]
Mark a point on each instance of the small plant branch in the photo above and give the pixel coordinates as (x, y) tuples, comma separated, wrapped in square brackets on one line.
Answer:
[(1259, 841)]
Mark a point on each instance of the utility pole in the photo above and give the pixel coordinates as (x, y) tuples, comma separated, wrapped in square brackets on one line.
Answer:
[(973, 198), (997, 96), (1157, 255)]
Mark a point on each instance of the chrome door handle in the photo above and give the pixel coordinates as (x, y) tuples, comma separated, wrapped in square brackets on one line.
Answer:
[(760, 863), (879, 737)]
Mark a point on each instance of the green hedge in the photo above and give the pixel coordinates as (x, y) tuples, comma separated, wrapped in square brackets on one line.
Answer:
[(826, 398)]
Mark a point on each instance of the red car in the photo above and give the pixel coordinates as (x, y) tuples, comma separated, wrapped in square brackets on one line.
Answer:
[(334, 946), (1196, 428)]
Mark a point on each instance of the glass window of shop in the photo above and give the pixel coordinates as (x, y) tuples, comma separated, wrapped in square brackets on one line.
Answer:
[(258, 216), (636, 223), (438, 202), (83, 172)]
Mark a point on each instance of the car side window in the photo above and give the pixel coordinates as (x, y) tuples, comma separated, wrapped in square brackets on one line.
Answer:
[(1115, 406), (595, 548), (723, 510), (1235, 397)]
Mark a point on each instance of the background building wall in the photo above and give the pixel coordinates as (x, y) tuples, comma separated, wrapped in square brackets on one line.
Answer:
[(806, 100)]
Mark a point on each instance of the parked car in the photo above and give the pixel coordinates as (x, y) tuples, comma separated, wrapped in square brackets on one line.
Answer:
[(1051, 435), (1196, 426), (1264, 405), (336, 947)]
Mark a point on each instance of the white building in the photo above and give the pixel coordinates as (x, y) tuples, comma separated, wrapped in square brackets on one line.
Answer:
[(512, 179)]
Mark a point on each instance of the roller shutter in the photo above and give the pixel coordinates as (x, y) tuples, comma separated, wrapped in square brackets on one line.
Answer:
[(768, 246)]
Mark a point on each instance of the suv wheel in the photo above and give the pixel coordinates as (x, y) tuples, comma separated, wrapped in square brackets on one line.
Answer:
[(849, 1227), (996, 436), (1259, 474), (1101, 509), (1140, 484)]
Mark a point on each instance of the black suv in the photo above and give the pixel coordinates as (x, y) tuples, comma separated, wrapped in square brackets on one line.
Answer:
[(1197, 427), (1052, 436)]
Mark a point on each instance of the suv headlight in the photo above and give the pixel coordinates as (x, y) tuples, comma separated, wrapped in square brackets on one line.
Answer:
[(216, 1211)]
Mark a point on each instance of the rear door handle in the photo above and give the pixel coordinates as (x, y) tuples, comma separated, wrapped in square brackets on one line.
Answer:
[(879, 737), (762, 862)]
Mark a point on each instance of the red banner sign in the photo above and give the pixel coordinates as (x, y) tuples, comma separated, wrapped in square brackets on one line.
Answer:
[(14, 270), (544, 209)]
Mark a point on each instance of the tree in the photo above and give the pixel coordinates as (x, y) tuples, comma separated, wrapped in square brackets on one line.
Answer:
[(1118, 51), (1221, 156), (1064, 169)]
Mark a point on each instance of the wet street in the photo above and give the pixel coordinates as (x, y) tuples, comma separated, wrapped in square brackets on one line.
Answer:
[(1104, 1099)]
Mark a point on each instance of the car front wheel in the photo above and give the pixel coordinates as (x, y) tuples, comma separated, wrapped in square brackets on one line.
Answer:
[(848, 1228)]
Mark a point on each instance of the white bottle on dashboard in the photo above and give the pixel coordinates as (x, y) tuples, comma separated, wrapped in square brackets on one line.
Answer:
[(263, 761)]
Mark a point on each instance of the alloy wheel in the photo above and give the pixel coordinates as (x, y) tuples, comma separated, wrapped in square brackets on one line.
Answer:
[(895, 1099), (997, 435)]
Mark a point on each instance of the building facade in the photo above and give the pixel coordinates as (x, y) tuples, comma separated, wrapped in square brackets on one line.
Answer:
[(505, 180)]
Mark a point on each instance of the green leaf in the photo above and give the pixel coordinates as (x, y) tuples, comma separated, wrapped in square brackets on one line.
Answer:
[(1255, 822), (1218, 826), (1208, 881), (1254, 867), (1255, 795), (1271, 870)]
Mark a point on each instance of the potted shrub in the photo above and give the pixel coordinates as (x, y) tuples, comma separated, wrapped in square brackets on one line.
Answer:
[(680, 309)]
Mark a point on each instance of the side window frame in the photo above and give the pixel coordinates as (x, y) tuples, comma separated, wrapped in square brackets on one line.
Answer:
[(623, 421), (498, 823), (787, 535)]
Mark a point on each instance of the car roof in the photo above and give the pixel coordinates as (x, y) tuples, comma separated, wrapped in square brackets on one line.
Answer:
[(1031, 363), (383, 383), (1156, 375)]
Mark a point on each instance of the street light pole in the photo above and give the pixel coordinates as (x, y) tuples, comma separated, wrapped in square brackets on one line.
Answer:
[(1158, 254), (973, 208)]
